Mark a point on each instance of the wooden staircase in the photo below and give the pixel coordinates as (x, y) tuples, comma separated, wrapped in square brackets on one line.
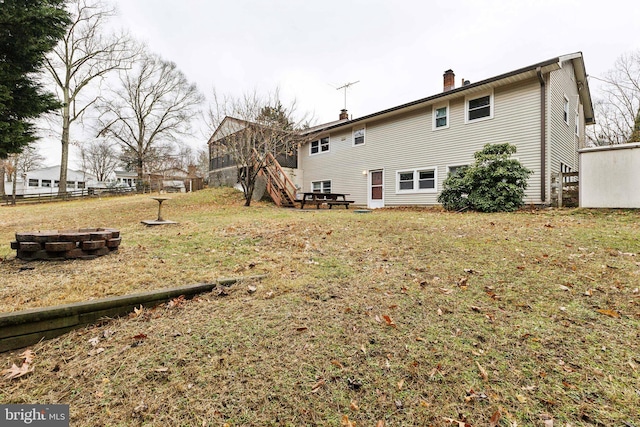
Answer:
[(279, 185)]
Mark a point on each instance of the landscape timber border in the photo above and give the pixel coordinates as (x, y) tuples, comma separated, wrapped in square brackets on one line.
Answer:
[(23, 328)]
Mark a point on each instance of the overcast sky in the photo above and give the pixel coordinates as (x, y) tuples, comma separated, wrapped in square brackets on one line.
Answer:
[(397, 50)]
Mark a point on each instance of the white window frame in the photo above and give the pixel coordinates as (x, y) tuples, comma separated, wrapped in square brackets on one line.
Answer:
[(364, 136), (457, 165), (322, 187), (565, 110), (46, 183), (416, 180), (577, 124), (33, 182), (478, 95), (320, 144), (435, 108)]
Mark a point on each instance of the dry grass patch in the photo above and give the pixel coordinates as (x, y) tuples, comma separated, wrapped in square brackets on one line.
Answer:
[(409, 317)]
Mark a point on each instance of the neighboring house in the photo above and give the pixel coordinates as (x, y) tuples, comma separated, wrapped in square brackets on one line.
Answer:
[(126, 178), (46, 181), (223, 169), (402, 155)]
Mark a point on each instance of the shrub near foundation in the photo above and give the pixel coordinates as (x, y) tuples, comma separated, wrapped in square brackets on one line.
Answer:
[(494, 183)]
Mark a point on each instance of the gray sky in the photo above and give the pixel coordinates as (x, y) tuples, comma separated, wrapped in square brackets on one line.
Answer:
[(398, 50)]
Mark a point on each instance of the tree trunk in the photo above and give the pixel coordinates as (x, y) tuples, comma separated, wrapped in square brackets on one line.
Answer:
[(64, 162), (2, 191), (15, 180)]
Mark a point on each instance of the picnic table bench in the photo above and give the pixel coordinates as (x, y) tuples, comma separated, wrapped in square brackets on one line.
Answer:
[(331, 199)]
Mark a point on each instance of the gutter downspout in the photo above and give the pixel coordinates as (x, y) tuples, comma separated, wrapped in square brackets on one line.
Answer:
[(543, 136)]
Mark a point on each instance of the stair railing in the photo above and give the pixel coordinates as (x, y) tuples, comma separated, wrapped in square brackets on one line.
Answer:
[(279, 186)]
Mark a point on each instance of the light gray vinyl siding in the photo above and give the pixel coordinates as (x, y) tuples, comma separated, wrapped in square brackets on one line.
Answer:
[(407, 141), (563, 143)]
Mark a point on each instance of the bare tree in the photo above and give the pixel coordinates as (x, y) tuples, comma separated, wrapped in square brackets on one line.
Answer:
[(202, 163), (85, 56), (152, 108), (249, 128), (27, 160), (618, 112), (100, 157)]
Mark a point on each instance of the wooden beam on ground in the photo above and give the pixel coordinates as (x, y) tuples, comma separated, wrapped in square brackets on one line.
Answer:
[(27, 327)]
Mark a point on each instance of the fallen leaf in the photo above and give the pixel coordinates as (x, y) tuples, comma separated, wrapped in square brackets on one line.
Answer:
[(424, 403), (94, 341), (400, 384), (521, 398), (483, 372), (176, 302), (16, 371), (389, 320), (141, 407), (140, 336), (318, 385), (162, 369), (354, 405), (346, 423), (460, 423), (380, 424), (138, 311), (337, 363), (28, 356), (96, 351), (301, 328), (472, 395), (495, 419), (439, 312), (610, 313), (251, 289)]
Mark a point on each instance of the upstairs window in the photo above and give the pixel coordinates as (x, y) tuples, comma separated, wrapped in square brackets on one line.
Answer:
[(440, 117), (358, 136), (565, 110), (577, 124), (320, 145), (479, 108)]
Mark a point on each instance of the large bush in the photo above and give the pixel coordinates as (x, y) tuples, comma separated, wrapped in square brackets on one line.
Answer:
[(494, 183)]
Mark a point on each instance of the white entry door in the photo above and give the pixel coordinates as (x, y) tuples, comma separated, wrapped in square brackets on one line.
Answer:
[(376, 189)]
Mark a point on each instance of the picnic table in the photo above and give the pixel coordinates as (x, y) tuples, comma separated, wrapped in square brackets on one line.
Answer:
[(318, 198)]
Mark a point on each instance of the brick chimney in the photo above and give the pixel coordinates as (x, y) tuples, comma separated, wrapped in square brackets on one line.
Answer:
[(344, 115), (449, 80)]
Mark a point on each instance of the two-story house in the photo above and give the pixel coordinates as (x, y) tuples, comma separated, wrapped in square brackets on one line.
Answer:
[(401, 156)]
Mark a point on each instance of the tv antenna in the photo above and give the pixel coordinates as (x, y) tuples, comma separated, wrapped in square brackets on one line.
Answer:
[(345, 87)]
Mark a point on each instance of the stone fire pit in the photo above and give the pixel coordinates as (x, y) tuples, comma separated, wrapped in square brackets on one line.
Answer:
[(85, 243)]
